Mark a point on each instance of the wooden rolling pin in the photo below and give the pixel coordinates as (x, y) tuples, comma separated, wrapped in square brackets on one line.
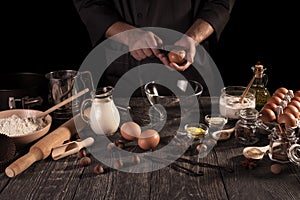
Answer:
[(42, 149)]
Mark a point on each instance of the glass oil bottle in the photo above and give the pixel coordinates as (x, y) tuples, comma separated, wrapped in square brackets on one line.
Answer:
[(259, 85)]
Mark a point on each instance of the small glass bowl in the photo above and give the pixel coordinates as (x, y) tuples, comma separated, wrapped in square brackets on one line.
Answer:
[(216, 122), (196, 131)]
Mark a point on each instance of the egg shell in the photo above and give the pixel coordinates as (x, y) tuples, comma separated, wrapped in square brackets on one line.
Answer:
[(288, 119), (271, 106), (279, 94), (297, 93), (292, 109), (177, 56), (148, 139), (275, 99), (130, 130), (267, 115), (281, 90), (296, 98), (295, 102)]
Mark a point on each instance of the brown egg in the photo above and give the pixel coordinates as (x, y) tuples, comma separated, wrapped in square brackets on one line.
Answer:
[(274, 99), (177, 57), (296, 98), (130, 130), (297, 93), (267, 115), (292, 109), (281, 90), (288, 119), (279, 94), (271, 106), (295, 103), (148, 139)]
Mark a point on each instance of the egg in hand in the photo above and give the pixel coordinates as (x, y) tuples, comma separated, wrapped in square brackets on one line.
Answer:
[(177, 57)]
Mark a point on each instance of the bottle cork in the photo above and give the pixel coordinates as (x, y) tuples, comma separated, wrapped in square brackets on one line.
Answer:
[(259, 70)]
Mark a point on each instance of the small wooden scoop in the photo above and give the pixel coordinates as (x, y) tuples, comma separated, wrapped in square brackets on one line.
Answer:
[(70, 148)]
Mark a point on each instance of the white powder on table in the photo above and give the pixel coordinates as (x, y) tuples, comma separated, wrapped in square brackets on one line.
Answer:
[(17, 126)]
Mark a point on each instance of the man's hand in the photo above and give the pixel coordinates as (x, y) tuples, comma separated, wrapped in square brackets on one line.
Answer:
[(190, 45), (143, 44)]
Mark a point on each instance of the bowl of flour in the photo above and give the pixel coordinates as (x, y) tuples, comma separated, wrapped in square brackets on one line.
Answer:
[(22, 126)]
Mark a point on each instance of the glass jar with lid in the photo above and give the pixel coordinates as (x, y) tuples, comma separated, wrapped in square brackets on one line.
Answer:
[(281, 141), (294, 153), (246, 128)]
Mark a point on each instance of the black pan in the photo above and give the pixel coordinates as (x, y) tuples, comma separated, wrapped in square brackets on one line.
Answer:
[(23, 90)]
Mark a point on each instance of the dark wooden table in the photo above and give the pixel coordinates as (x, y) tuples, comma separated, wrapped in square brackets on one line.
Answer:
[(66, 179)]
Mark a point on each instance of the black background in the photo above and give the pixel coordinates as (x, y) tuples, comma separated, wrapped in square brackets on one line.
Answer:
[(41, 36)]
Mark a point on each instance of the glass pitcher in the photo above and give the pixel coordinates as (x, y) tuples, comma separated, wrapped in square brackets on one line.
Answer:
[(103, 117)]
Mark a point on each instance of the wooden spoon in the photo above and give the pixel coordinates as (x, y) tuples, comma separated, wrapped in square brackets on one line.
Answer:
[(224, 134), (43, 114), (247, 89), (257, 152), (70, 148)]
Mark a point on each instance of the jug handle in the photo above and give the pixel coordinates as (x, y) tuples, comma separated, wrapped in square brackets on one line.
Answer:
[(85, 110), (89, 74)]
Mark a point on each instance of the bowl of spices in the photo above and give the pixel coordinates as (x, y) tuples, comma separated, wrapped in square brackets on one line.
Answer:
[(23, 126)]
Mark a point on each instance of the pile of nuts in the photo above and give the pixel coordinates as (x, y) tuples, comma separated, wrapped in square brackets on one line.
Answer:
[(113, 148), (283, 107), (85, 160), (248, 163)]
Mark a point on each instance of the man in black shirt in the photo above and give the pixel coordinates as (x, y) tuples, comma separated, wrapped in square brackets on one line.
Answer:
[(202, 21)]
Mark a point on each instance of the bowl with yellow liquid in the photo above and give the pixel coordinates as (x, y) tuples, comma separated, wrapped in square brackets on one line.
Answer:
[(196, 131)]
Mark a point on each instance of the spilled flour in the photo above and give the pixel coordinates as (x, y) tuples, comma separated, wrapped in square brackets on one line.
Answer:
[(17, 126)]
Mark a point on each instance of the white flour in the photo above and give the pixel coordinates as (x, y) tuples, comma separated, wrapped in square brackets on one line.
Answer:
[(17, 126)]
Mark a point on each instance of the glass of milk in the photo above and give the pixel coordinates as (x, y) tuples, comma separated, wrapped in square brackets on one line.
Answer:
[(229, 102)]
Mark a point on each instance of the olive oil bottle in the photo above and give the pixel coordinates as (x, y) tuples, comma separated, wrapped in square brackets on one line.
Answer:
[(259, 85)]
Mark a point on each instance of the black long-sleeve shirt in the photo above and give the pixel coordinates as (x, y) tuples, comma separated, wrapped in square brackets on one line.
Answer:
[(178, 15)]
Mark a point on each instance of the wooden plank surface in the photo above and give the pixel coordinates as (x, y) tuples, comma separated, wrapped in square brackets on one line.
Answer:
[(65, 179), (171, 183), (260, 182)]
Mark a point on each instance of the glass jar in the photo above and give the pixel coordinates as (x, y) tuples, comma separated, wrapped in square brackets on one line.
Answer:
[(229, 101), (294, 153), (280, 143), (246, 127)]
